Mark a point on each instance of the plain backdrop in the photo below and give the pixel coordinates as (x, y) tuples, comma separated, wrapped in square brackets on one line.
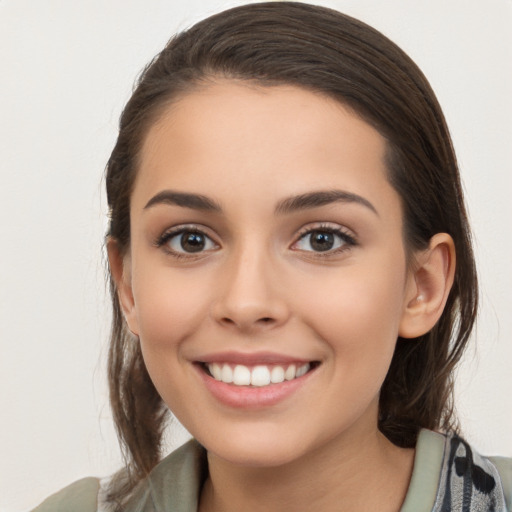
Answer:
[(66, 71)]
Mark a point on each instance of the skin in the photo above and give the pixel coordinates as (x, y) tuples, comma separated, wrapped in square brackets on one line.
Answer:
[(260, 285)]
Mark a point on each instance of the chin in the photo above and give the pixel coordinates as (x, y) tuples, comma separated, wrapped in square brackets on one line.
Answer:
[(259, 451), (251, 458)]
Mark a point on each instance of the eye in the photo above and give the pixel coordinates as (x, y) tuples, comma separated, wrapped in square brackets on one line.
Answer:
[(186, 241), (324, 239)]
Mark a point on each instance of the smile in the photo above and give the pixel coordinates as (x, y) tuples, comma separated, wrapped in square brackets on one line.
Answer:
[(258, 375), (254, 381)]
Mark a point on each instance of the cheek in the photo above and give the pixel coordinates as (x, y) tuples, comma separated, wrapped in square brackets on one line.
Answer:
[(170, 305), (357, 313)]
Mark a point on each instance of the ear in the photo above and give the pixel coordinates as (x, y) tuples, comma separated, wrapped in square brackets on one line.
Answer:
[(428, 287), (120, 268)]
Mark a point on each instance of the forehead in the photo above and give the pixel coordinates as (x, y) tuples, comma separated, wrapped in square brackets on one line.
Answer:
[(232, 136)]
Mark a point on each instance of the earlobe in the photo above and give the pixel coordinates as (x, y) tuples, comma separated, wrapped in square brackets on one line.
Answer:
[(428, 286), (121, 274)]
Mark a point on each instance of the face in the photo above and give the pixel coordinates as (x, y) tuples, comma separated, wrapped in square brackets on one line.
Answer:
[(266, 276)]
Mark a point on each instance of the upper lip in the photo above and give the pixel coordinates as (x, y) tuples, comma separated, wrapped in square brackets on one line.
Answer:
[(251, 358)]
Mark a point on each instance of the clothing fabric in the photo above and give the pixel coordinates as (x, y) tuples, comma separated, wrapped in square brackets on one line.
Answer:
[(448, 476)]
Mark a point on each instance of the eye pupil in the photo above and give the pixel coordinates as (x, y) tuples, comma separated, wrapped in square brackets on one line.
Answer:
[(322, 240), (192, 242)]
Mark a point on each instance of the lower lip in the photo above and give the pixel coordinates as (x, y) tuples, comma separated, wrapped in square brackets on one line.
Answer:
[(246, 397)]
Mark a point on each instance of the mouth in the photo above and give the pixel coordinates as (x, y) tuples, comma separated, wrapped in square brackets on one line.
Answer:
[(258, 375), (255, 381)]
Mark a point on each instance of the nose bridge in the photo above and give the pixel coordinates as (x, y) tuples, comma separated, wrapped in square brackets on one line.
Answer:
[(250, 295)]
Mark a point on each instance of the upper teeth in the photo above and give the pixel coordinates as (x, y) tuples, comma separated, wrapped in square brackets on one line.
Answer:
[(260, 375)]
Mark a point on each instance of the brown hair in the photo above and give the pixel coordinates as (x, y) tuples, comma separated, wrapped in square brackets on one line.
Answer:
[(324, 51)]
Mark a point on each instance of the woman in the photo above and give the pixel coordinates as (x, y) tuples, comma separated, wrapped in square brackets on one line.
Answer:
[(292, 276)]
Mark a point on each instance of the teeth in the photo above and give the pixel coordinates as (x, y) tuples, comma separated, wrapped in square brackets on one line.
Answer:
[(260, 376), (302, 370), (289, 374), (241, 375), (226, 374), (216, 371), (277, 375), (257, 376)]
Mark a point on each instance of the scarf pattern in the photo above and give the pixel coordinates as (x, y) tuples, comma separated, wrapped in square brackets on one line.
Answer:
[(469, 482)]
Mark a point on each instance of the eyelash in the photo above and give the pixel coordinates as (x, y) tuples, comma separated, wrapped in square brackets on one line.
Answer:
[(167, 236), (347, 240)]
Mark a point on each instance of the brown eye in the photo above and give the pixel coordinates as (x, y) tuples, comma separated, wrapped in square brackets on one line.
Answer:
[(192, 242), (321, 241), (324, 240), (187, 241)]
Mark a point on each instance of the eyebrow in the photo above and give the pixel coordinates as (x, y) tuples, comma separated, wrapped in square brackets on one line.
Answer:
[(305, 201), (321, 198), (184, 199)]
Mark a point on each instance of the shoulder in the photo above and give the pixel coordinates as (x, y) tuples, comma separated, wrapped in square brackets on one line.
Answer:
[(454, 476), (80, 496), (473, 479), (175, 483), (469, 479), (504, 467)]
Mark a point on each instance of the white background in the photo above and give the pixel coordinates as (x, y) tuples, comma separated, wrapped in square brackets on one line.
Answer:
[(66, 71)]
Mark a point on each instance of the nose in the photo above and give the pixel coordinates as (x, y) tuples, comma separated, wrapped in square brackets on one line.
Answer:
[(250, 296)]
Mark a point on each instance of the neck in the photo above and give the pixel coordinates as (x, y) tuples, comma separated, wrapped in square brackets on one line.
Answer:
[(361, 471)]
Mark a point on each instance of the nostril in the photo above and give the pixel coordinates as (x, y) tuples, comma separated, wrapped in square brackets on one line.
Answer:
[(262, 322)]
